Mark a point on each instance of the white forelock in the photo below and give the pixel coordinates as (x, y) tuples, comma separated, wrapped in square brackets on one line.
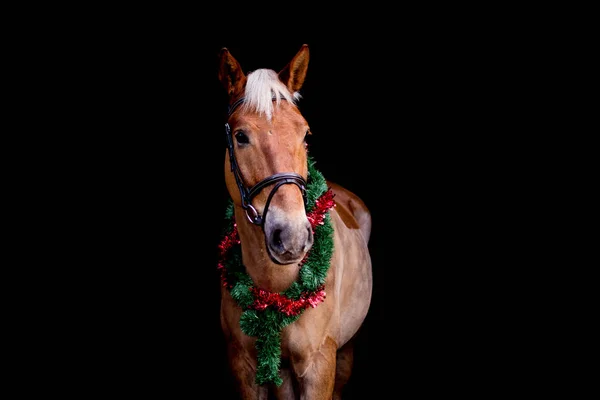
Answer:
[(262, 86)]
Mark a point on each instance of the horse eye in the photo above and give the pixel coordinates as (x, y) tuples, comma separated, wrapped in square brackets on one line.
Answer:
[(306, 137), (306, 134), (241, 137)]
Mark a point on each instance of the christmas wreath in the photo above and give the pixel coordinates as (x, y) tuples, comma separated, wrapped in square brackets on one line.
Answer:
[(266, 313)]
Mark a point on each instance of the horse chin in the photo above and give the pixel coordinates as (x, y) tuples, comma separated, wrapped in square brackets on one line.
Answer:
[(284, 259)]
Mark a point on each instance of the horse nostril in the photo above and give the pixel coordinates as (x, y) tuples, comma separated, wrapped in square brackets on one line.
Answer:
[(276, 238)]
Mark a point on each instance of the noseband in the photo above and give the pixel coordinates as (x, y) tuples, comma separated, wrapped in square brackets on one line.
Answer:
[(247, 195)]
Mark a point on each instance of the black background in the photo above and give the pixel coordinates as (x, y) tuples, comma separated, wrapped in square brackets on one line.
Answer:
[(140, 185), (147, 200)]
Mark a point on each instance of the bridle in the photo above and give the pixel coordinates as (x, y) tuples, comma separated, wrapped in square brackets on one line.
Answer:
[(246, 194)]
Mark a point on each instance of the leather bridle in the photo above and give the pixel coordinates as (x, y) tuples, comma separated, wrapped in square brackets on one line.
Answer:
[(246, 194)]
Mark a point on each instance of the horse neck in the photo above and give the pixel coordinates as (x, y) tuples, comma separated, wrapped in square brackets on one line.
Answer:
[(264, 272)]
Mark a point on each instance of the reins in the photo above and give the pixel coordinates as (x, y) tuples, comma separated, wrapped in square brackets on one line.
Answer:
[(277, 179)]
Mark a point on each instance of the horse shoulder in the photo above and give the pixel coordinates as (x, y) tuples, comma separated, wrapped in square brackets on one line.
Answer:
[(352, 210)]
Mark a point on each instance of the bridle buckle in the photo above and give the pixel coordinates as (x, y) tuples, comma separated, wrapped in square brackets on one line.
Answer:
[(255, 218)]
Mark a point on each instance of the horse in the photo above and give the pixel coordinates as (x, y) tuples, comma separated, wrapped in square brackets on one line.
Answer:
[(294, 261)]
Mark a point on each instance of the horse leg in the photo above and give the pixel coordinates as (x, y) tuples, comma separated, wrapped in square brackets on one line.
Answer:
[(286, 390), (316, 374), (343, 369), (243, 368)]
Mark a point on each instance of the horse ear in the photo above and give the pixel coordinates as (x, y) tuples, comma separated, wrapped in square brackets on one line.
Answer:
[(293, 74), (230, 73)]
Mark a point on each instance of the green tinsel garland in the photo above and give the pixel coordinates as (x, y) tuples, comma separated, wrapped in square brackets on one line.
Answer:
[(267, 324)]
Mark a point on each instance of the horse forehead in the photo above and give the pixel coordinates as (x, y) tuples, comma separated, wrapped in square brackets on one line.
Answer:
[(288, 121), (284, 120)]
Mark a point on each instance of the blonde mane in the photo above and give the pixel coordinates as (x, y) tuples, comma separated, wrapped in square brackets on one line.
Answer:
[(263, 86)]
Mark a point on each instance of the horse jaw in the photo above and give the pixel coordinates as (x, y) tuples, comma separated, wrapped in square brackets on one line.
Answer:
[(287, 237)]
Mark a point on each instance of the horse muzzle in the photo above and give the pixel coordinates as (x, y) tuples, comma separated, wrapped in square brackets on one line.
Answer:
[(287, 240)]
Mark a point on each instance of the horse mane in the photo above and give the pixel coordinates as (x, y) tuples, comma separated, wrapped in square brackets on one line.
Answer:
[(262, 87)]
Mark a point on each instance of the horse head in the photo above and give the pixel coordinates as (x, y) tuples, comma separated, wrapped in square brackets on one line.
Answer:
[(266, 159)]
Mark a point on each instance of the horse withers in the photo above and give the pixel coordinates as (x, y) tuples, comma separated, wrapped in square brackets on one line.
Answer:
[(294, 260)]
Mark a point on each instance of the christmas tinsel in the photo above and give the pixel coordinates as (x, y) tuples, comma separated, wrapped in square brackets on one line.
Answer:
[(266, 313)]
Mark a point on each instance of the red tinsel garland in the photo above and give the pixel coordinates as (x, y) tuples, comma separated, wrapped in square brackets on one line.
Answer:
[(264, 298)]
